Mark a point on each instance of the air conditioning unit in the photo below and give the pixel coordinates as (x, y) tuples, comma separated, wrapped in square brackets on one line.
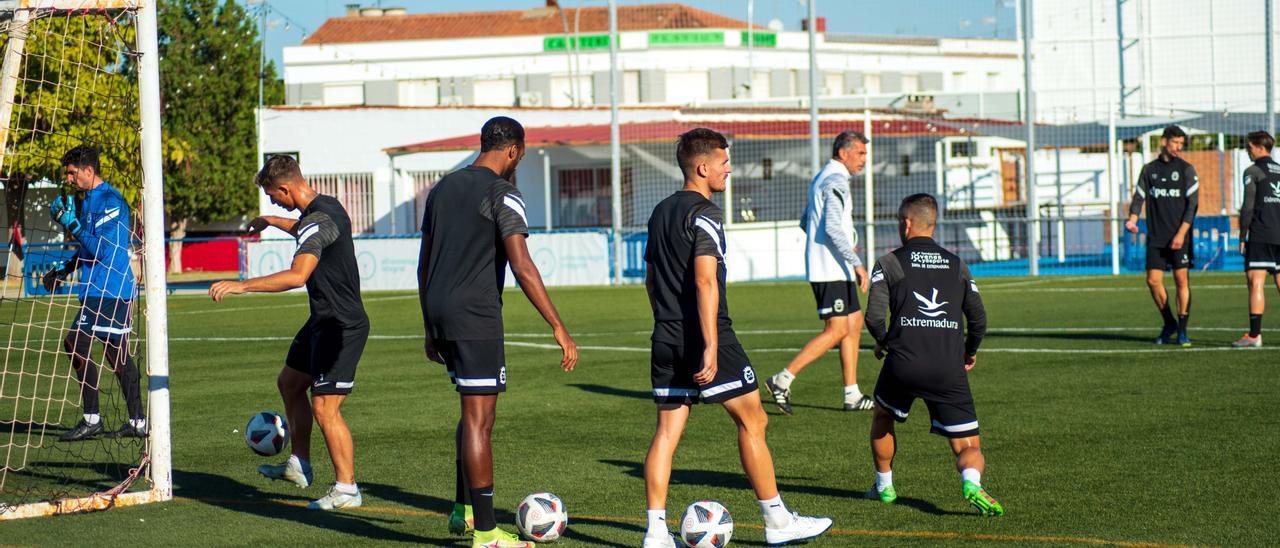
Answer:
[(530, 99), (451, 100)]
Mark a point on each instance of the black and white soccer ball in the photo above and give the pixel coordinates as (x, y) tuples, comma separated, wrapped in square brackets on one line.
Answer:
[(541, 517), (267, 433), (706, 524)]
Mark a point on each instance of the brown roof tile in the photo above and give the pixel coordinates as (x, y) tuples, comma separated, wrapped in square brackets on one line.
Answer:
[(540, 21)]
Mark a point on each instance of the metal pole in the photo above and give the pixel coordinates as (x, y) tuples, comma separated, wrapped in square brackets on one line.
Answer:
[(814, 160), (940, 176), (1061, 240), (1120, 50), (153, 252), (869, 190), (615, 143), (751, 48), (1029, 120), (1113, 197), (546, 187), (1271, 73), (1222, 172)]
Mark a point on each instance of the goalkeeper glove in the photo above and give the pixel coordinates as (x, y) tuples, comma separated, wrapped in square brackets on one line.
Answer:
[(63, 212)]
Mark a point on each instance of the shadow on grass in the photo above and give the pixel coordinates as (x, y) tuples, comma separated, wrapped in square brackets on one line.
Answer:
[(1074, 336), (224, 492), (613, 391), (732, 480)]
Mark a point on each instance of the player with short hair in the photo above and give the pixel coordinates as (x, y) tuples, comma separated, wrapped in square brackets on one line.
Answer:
[(325, 352), (695, 353), (1259, 230), (926, 354), (833, 269), (106, 290), (473, 226), (1170, 189)]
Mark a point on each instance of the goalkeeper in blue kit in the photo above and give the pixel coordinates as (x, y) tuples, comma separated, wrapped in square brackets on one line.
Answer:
[(105, 290)]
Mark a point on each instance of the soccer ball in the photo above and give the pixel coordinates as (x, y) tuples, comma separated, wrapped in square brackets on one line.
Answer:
[(541, 517), (706, 524), (267, 433)]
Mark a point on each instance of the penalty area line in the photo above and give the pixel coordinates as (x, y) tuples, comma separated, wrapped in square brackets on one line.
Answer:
[(834, 531)]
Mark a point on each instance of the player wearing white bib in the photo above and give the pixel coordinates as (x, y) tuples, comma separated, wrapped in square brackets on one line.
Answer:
[(833, 269)]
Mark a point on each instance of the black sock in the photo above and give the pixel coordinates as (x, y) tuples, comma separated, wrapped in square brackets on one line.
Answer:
[(1255, 325), (482, 508), (1182, 322), (461, 494), (1169, 321), (129, 383), (88, 376)]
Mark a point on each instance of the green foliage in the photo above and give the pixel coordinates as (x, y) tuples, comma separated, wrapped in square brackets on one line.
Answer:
[(209, 59), (77, 85)]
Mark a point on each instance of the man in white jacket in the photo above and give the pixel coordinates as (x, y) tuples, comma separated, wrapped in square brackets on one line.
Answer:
[(833, 268)]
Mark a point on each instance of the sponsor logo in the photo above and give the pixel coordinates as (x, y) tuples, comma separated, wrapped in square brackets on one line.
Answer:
[(1275, 189), (930, 307), (931, 260), (1175, 176), (502, 375), (877, 275), (748, 374), (1166, 192), (838, 306)]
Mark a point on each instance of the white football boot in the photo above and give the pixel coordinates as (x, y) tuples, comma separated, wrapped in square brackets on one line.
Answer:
[(337, 500), (800, 528)]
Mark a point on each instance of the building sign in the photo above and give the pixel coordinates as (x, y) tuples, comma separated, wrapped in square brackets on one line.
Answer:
[(686, 38), (583, 42), (762, 39)]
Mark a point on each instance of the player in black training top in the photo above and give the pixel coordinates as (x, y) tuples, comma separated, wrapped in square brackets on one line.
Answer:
[(325, 352), (926, 354), (696, 356), (1259, 230), (1170, 188), (474, 224)]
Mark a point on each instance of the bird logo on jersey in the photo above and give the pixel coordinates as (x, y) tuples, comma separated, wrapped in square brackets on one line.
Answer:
[(930, 307)]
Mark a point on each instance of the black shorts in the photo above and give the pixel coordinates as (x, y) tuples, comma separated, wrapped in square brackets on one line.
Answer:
[(1164, 258), (835, 298), (104, 318), (475, 367), (1262, 256), (672, 368), (330, 354), (949, 401)]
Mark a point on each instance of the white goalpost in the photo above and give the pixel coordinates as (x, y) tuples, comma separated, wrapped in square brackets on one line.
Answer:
[(81, 72)]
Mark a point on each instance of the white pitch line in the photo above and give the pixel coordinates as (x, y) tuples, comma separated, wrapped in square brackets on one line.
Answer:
[(274, 306)]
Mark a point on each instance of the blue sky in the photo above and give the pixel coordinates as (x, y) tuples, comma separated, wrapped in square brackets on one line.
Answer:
[(291, 20)]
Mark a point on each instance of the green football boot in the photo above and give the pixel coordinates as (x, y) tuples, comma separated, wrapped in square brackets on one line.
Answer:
[(461, 521), (888, 495), (978, 497)]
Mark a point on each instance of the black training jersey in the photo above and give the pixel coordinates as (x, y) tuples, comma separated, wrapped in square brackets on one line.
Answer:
[(1260, 212), (926, 290), (468, 215), (334, 287), (1170, 188), (684, 226)]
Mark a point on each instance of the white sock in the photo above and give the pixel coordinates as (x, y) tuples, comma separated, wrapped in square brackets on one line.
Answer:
[(138, 423), (302, 464), (971, 474), (883, 480), (775, 513), (92, 418), (851, 393), (347, 488), (657, 523), (783, 379)]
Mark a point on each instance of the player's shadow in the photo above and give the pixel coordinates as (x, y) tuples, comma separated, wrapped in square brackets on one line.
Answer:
[(227, 493), (613, 391), (732, 480), (21, 427), (918, 504), (108, 474), (413, 500)]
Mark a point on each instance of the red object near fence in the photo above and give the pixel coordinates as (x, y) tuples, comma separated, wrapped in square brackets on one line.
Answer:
[(216, 255)]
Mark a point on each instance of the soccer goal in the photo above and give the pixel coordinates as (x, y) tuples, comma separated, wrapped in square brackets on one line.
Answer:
[(85, 287)]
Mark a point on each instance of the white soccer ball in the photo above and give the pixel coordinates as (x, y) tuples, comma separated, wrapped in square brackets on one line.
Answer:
[(267, 433), (541, 517), (706, 524)]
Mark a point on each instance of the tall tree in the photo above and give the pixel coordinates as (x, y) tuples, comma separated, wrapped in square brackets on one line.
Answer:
[(209, 78)]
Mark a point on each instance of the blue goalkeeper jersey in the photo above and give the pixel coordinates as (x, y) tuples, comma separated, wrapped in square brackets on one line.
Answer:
[(105, 270)]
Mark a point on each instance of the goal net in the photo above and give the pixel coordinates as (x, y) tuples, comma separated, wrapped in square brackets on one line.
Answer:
[(83, 366)]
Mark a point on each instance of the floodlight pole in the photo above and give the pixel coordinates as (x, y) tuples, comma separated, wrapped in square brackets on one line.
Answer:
[(1271, 75), (157, 336), (1113, 187), (1029, 120), (615, 143), (868, 189), (814, 160)]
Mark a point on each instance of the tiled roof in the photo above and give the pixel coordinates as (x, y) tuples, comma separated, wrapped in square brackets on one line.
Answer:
[(538, 21), (648, 132)]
